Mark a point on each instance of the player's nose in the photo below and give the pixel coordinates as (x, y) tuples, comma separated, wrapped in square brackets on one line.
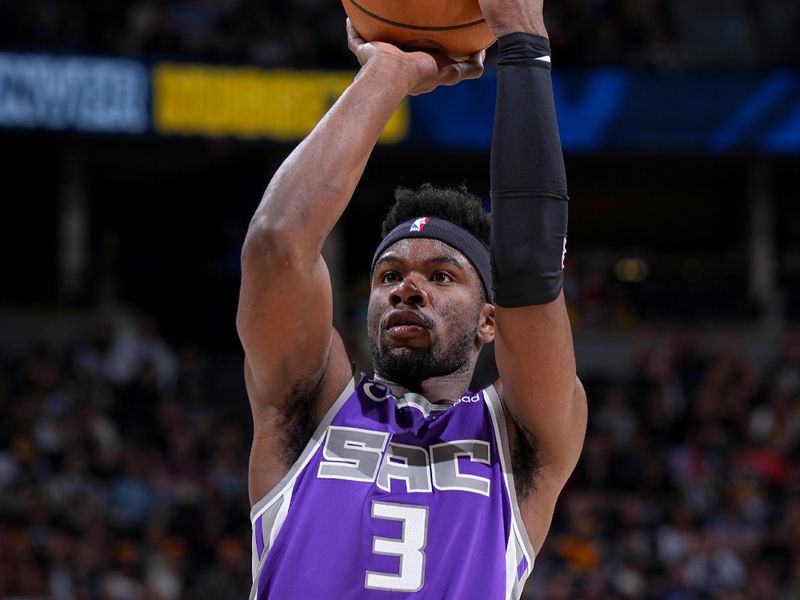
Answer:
[(408, 292)]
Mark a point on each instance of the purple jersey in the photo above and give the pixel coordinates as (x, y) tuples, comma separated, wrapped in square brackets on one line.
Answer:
[(395, 497)]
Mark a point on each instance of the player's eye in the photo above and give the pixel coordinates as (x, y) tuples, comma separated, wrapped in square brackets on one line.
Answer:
[(390, 277), (442, 277)]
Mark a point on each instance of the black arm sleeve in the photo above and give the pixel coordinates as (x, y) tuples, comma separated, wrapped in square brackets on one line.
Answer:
[(529, 184)]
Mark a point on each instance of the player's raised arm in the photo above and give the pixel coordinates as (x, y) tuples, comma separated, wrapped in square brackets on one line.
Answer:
[(534, 347), (285, 307)]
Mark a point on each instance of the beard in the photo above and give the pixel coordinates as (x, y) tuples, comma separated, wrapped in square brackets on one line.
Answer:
[(410, 366)]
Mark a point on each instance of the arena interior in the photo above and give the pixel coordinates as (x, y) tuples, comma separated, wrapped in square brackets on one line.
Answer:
[(136, 139)]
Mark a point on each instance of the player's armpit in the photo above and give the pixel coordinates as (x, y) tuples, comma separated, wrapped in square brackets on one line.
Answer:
[(539, 482), (537, 487)]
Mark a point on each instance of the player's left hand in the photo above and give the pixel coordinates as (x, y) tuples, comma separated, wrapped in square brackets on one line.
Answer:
[(424, 71)]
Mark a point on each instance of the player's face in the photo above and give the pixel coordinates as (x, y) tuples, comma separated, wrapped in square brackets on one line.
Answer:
[(426, 313)]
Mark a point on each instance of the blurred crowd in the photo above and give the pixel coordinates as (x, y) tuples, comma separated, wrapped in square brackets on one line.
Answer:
[(123, 476), (310, 33), (122, 473), (688, 486)]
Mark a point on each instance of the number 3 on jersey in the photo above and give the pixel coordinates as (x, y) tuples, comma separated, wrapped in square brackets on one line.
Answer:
[(409, 547)]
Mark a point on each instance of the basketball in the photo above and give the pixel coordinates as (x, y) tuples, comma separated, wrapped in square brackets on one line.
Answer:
[(456, 28)]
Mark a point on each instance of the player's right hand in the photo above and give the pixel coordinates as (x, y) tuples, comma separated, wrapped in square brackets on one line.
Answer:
[(423, 71)]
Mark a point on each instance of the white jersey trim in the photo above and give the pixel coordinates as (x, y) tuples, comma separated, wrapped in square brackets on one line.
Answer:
[(518, 544), (421, 403)]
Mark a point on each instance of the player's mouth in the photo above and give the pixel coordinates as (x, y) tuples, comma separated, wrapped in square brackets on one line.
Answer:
[(404, 324)]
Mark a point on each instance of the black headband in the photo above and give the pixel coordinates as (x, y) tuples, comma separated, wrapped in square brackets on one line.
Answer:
[(449, 233)]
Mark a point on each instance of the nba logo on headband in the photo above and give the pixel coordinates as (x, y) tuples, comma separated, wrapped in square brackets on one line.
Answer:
[(419, 224)]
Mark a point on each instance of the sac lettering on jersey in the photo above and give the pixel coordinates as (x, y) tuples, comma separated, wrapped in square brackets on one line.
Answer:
[(362, 455)]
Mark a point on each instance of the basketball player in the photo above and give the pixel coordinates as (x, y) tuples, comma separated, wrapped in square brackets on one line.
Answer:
[(406, 484)]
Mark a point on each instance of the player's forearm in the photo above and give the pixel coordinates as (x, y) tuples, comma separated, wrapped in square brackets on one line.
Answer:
[(534, 347), (309, 192), (529, 185)]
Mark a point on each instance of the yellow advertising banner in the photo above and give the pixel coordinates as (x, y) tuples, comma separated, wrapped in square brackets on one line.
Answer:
[(251, 103)]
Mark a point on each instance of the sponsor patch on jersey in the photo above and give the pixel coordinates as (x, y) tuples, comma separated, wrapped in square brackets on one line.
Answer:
[(419, 224), (469, 398)]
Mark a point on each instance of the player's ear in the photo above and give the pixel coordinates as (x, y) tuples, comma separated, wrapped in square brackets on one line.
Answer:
[(487, 324)]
